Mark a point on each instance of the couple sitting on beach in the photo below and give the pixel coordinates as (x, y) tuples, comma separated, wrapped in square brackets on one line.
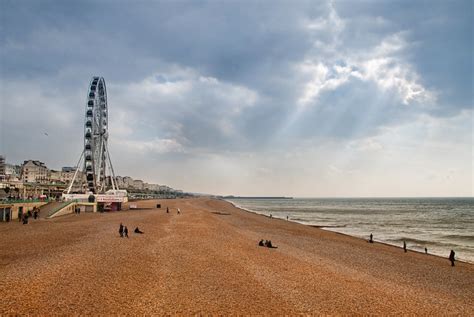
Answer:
[(266, 243), (123, 231)]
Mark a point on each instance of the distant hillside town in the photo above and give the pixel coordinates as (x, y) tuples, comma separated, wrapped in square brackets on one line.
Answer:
[(33, 179)]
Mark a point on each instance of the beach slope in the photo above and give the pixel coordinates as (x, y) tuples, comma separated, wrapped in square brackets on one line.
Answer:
[(206, 260)]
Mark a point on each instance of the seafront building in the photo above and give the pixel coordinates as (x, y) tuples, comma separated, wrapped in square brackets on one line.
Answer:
[(34, 180), (12, 172), (34, 172), (33, 184), (55, 176), (138, 184), (127, 182), (65, 176)]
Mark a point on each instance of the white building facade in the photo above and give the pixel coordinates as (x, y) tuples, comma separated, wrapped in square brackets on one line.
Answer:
[(34, 172)]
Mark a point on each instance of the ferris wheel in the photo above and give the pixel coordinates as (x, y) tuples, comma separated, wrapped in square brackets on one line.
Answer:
[(95, 136), (95, 156)]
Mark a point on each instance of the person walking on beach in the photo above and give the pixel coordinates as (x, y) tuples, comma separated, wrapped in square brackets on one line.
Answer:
[(179, 210), (121, 230), (167, 210), (371, 239), (404, 246), (426, 250), (125, 231), (451, 257)]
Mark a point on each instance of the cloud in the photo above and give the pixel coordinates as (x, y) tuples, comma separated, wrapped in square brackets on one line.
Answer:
[(368, 144), (194, 110), (329, 22), (389, 71), (382, 64), (321, 80), (269, 94), (157, 146)]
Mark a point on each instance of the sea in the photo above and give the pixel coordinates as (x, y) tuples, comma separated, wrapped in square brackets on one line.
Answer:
[(438, 224)]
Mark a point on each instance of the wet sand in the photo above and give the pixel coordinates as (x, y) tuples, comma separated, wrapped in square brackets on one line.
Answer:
[(206, 261)]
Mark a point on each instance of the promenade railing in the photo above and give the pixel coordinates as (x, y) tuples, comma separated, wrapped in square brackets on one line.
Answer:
[(23, 201)]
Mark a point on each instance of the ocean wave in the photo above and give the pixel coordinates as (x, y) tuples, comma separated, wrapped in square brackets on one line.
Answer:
[(409, 240), (421, 242), (468, 238), (331, 226), (300, 219)]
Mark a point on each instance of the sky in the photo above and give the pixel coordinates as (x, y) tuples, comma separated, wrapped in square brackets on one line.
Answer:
[(255, 98)]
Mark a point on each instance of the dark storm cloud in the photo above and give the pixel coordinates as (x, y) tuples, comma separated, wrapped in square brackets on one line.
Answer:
[(227, 40)]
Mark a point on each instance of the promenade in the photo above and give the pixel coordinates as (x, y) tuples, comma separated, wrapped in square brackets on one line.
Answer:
[(206, 261)]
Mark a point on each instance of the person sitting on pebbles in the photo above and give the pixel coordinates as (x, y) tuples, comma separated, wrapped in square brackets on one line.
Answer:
[(266, 243), (138, 231)]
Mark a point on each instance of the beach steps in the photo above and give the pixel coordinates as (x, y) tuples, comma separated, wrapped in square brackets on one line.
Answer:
[(50, 208)]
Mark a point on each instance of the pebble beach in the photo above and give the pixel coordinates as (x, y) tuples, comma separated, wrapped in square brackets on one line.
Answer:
[(206, 260)]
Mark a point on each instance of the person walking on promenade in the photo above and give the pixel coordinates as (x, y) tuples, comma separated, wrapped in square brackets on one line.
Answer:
[(404, 246), (125, 231), (451, 257), (121, 230)]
